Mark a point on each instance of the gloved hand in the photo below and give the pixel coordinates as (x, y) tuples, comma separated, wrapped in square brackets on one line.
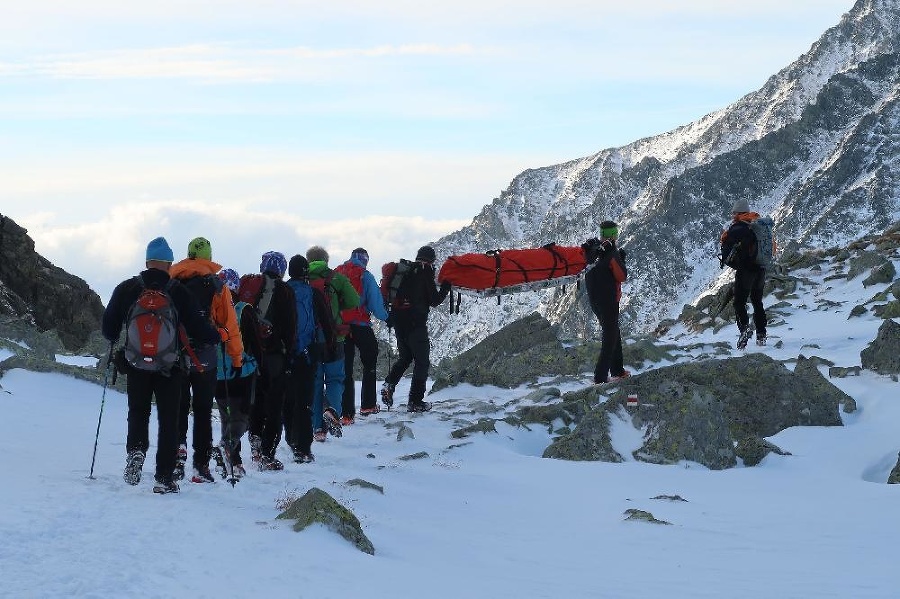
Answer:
[(445, 287), (622, 253), (237, 364)]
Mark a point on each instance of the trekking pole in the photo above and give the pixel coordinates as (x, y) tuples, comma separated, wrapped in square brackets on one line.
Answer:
[(109, 364)]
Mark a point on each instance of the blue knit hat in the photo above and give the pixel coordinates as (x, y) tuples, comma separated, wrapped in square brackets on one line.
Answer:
[(360, 255), (159, 249), (230, 277), (273, 262)]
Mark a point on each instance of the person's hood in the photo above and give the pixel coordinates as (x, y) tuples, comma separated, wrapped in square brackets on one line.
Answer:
[(357, 262), (191, 267), (318, 267)]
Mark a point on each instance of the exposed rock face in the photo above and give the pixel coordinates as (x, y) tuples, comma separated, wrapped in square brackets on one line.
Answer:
[(527, 348), (699, 411), (510, 357), (31, 287), (883, 354), (894, 476)]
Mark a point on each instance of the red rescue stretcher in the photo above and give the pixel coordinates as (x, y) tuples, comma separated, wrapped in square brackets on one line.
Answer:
[(500, 272)]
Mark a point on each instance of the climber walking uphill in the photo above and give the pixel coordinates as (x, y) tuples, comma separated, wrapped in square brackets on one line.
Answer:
[(153, 309), (273, 301), (604, 289), (361, 335), (197, 273), (339, 295), (748, 247), (235, 386), (415, 297)]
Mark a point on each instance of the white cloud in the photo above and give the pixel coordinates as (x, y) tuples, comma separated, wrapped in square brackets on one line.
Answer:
[(390, 183), (108, 250)]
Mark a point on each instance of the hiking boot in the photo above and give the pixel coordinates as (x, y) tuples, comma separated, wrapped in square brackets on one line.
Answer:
[(255, 446), (165, 486), (202, 475), (133, 465), (304, 457), (219, 456), (180, 460), (418, 406), (332, 422), (618, 377), (267, 464), (238, 471), (387, 394), (319, 435), (760, 340), (369, 411), (744, 338), (347, 420)]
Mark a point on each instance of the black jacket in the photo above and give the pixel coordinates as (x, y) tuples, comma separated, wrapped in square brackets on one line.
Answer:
[(424, 294), (126, 293), (740, 239), (604, 281)]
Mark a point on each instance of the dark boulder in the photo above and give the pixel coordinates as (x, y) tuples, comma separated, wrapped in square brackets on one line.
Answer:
[(32, 287)]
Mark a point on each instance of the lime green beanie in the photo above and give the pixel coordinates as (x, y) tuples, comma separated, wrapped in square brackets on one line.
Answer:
[(199, 248)]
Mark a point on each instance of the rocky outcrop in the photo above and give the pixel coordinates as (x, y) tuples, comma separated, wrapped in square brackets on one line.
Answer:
[(318, 506), (883, 354), (509, 357), (700, 411), (32, 288), (528, 348)]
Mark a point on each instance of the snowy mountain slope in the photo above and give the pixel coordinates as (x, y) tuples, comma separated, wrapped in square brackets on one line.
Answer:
[(814, 147), (478, 517)]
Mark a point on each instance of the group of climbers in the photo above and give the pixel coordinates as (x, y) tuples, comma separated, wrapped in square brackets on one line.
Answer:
[(276, 356)]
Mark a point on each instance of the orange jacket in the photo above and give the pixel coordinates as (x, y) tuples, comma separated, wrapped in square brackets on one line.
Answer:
[(221, 312)]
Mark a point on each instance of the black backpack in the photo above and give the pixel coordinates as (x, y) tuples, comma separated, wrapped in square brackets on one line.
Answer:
[(398, 282)]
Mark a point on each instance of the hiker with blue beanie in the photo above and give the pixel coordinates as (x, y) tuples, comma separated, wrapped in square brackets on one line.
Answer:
[(155, 297)]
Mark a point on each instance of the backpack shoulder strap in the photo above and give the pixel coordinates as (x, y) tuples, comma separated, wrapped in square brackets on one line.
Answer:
[(265, 298)]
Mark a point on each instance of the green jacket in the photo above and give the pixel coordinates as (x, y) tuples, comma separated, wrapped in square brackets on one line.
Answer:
[(341, 290)]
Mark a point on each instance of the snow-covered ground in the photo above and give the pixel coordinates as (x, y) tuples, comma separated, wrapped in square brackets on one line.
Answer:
[(480, 517)]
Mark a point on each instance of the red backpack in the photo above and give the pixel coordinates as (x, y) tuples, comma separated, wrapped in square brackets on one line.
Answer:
[(151, 330), (354, 272)]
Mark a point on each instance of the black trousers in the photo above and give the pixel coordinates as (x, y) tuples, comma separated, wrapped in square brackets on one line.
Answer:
[(413, 347), (610, 359), (298, 404), (197, 392), (141, 388), (362, 338), (266, 412), (750, 283), (233, 400)]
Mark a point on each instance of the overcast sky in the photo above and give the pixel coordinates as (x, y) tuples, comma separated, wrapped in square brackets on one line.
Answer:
[(386, 124)]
